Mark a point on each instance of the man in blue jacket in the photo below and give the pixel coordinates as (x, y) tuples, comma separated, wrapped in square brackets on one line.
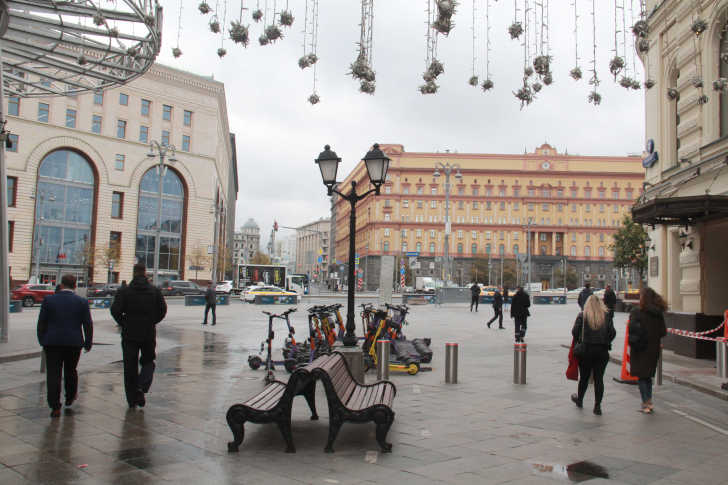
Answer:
[(584, 295), (64, 328)]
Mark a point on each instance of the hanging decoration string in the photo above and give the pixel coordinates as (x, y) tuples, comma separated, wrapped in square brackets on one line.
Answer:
[(576, 72), (314, 98), (698, 26), (263, 39), (434, 67), (222, 51), (524, 93), (473, 81), (594, 96), (487, 84), (617, 63), (361, 69), (176, 51)]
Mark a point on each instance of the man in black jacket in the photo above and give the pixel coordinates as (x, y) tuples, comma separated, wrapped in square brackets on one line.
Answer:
[(519, 312), (138, 308), (584, 295), (497, 308), (474, 296), (210, 303), (610, 299)]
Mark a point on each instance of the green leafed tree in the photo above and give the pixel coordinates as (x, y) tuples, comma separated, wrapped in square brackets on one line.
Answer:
[(628, 246), (479, 269), (571, 278)]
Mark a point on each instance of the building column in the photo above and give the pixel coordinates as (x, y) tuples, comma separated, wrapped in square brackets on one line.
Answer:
[(553, 244), (691, 287)]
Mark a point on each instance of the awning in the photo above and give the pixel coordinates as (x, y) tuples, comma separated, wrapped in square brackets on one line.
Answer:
[(680, 211)]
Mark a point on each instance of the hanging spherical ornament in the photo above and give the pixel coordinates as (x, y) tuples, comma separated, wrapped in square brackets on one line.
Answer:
[(702, 99), (636, 86), (257, 15), (548, 79), (367, 87), (527, 72), (263, 40), (672, 94), (221, 52), (643, 46), (699, 26), (445, 10), (697, 82), (515, 29), (641, 29), (360, 67), (370, 75), (473, 81), (650, 83), (82, 61), (541, 64), (525, 95), (536, 87), (616, 65), (132, 51), (214, 26), (286, 18), (436, 68), (429, 88), (239, 33), (99, 19), (204, 8), (176, 52), (487, 85), (150, 20), (595, 97), (720, 84), (576, 73), (625, 82), (273, 32), (114, 32), (307, 60), (314, 99)]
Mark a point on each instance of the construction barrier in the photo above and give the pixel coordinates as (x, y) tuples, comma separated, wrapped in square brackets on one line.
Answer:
[(452, 295), (195, 300), (410, 298), (626, 377)]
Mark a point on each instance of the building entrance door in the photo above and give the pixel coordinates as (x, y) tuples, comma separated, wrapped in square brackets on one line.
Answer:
[(545, 284)]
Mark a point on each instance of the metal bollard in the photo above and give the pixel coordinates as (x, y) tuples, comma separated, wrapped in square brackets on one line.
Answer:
[(451, 363), (42, 362), (658, 374), (721, 360), (382, 360), (519, 363)]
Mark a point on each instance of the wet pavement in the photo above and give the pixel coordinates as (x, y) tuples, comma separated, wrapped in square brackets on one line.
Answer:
[(482, 430)]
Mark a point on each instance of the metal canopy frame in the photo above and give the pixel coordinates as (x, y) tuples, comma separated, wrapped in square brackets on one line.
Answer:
[(680, 211)]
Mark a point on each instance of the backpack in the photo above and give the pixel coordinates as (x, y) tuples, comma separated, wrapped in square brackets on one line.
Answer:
[(637, 335)]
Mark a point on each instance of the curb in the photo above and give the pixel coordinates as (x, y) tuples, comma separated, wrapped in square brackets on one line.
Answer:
[(23, 355)]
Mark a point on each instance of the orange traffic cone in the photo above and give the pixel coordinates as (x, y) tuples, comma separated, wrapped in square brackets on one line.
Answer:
[(626, 377)]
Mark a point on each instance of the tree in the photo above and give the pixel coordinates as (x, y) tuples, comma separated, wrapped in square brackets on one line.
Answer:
[(86, 256), (479, 269), (109, 255), (571, 279), (629, 247), (224, 263), (260, 258), (197, 257)]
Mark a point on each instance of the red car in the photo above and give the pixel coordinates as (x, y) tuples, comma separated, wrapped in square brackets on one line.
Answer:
[(31, 294)]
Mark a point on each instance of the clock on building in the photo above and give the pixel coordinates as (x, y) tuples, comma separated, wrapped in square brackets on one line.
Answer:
[(545, 165)]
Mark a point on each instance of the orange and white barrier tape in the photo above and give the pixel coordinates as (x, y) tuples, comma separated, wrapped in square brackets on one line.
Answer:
[(697, 335)]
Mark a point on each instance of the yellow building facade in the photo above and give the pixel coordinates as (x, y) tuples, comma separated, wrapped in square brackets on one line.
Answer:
[(576, 204)]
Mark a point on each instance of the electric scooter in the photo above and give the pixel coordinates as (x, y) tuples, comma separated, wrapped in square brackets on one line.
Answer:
[(255, 362)]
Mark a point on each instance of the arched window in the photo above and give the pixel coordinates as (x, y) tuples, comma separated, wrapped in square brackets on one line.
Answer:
[(68, 178), (386, 246), (404, 246), (601, 251), (515, 249), (487, 249), (543, 250), (432, 247), (418, 247), (587, 251), (460, 248), (474, 249), (573, 250), (502, 249), (160, 223)]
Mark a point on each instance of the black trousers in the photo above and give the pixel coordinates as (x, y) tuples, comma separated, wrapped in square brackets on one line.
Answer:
[(521, 327), (474, 301), (207, 309), (134, 378), (498, 313), (594, 361), (61, 362)]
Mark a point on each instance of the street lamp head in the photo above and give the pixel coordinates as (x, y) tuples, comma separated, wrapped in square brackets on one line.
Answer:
[(647, 240), (436, 174), (377, 165), (458, 175), (52, 198), (173, 159), (328, 163), (151, 154)]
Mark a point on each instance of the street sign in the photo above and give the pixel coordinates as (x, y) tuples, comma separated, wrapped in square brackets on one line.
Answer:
[(210, 249), (522, 257), (412, 261), (111, 266), (401, 262), (412, 254), (401, 271), (321, 251), (320, 259), (342, 269), (356, 261), (361, 271), (356, 255)]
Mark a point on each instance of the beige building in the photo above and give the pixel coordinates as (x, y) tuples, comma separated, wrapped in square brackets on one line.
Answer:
[(687, 187), (576, 204), (247, 242), (89, 154), (310, 238)]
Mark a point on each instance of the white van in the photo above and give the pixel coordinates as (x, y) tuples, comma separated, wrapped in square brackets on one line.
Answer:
[(535, 287)]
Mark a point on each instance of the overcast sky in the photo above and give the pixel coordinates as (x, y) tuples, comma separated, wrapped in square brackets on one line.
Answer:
[(279, 134)]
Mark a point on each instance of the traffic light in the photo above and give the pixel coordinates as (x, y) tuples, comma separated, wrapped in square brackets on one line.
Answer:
[(275, 225)]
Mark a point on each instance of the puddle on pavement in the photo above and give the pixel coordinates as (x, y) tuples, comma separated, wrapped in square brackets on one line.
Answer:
[(576, 472)]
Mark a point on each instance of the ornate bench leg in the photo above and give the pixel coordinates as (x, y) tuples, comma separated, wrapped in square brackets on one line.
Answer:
[(335, 423), (284, 424), (236, 420), (309, 392), (384, 422)]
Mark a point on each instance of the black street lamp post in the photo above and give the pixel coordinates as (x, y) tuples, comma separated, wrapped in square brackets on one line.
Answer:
[(377, 164)]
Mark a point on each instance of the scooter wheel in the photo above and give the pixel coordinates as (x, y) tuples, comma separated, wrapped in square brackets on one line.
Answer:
[(427, 358), (286, 353), (255, 362), (413, 369), (290, 365)]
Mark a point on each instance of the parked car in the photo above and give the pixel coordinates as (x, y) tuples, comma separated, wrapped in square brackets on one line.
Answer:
[(224, 287), (103, 290), (409, 289), (31, 294), (179, 288), (488, 290), (267, 290)]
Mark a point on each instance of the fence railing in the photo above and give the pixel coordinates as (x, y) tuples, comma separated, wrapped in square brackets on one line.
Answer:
[(452, 295)]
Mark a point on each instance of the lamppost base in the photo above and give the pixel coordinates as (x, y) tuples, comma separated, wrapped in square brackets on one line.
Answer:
[(354, 358), (350, 341)]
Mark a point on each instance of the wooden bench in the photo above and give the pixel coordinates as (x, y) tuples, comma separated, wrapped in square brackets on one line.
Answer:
[(350, 401), (273, 405)]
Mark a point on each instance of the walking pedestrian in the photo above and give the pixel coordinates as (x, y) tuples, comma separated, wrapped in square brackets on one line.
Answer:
[(643, 361), (474, 296), (598, 332), (497, 308), (506, 299), (584, 295), (64, 328), (138, 308), (519, 312), (610, 299), (210, 303)]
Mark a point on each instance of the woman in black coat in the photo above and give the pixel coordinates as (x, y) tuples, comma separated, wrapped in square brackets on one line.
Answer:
[(597, 336), (643, 362)]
